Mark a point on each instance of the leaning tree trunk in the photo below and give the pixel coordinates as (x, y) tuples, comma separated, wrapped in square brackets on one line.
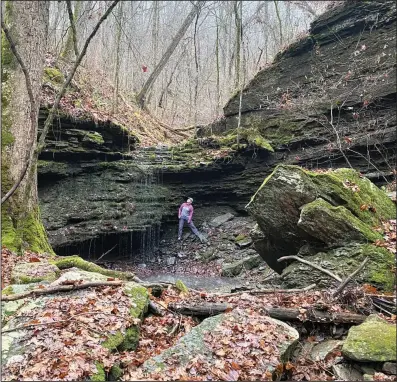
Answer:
[(27, 22), (141, 97)]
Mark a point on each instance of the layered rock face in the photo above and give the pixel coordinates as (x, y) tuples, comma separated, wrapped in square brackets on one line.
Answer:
[(98, 193), (330, 96)]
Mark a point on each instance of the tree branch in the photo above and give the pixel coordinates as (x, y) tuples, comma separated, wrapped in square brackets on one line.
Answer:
[(345, 282), (28, 326), (61, 288), (311, 265)]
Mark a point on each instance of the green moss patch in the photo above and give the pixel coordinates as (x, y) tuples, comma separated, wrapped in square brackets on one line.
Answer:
[(334, 225), (78, 262), (93, 137), (181, 286), (100, 375), (347, 187), (26, 233), (54, 75), (372, 341), (26, 273)]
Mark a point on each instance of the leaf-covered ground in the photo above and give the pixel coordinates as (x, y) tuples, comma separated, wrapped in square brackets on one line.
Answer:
[(65, 336), (91, 96)]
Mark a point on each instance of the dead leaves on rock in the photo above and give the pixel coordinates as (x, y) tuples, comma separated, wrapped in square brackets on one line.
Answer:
[(64, 336)]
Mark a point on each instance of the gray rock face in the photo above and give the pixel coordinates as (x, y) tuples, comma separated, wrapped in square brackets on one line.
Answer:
[(376, 272), (171, 260), (237, 267), (218, 221), (323, 349), (390, 368), (345, 372)]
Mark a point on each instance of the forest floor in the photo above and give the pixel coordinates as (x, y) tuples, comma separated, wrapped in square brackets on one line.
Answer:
[(233, 360)]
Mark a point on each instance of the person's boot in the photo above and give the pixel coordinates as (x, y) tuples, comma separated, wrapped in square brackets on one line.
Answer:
[(202, 238)]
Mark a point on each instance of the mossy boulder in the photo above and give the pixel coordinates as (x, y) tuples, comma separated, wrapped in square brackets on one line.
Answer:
[(343, 261), (293, 205), (334, 226), (26, 273), (372, 341)]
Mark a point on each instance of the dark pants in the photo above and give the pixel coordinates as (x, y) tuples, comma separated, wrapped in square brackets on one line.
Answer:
[(191, 225)]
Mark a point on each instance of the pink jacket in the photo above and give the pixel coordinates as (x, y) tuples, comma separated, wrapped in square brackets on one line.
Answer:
[(186, 211)]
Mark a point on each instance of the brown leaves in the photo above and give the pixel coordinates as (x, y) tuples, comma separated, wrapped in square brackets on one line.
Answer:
[(66, 336), (34, 259)]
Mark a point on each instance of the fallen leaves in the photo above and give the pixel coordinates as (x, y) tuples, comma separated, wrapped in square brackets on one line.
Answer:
[(388, 229), (64, 337)]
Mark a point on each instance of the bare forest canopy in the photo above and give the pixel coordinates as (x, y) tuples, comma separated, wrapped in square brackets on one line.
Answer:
[(218, 47)]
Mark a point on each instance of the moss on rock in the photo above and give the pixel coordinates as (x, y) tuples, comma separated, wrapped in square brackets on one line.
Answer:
[(26, 273), (343, 261), (140, 298), (334, 225), (93, 137), (100, 375), (181, 286), (113, 341), (128, 339), (54, 75), (7, 291), (78, 262), (115, 372), (372, 341), (346, 186)]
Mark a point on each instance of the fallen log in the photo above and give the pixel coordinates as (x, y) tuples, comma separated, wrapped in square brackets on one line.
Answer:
[(314, 315), (263, 291), (155, 309), (201, 310), (60, 288)]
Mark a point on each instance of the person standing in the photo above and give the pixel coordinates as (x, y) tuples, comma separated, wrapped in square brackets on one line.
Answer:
[(185, 214)]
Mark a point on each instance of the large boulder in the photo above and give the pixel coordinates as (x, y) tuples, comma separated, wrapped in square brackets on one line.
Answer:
[(213, 343), (343, 261), (295, 207), (372, 341)]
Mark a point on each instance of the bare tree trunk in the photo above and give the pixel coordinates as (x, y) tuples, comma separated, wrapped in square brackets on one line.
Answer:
[(238, 22), (71, 41), (218, 90), (141, 98), (27, 22), (196, 79), (117, 66), (279, 23)]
